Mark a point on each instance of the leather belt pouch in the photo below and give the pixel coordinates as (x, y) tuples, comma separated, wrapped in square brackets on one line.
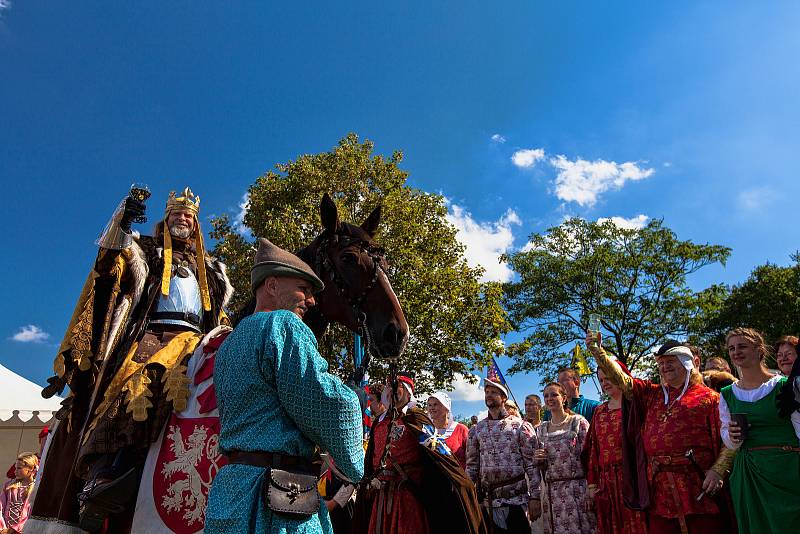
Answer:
[(293, 494)]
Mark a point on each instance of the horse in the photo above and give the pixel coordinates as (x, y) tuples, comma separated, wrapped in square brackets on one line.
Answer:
[(357, 291), (357, 295)]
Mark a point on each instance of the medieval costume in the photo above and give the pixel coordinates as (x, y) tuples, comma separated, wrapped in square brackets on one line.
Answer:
[(15, 505), (604, 471), (413, 484), (563, 491), (455, 433), (143, 309), (766, 470), (500, 461), (277, 404), (183, 462), (579, 405), (338, 492), (671, 438)]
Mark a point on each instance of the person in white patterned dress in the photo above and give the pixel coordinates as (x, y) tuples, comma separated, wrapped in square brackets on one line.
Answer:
[(500, 462), (559, 459)]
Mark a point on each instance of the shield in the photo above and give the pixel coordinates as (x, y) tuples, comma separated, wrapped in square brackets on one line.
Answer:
[(185, 467)]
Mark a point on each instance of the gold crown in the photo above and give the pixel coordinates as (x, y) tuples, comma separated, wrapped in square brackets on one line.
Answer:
[(188, 202)]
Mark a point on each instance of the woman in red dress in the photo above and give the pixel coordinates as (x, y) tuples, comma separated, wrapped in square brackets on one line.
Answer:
[(452, 432), (603, 451)]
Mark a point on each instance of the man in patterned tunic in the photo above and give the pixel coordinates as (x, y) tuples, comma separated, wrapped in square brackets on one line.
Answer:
[(500, 461), (277, 404)]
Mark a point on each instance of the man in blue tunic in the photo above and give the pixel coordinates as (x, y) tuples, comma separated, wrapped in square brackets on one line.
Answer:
[(277, 404)]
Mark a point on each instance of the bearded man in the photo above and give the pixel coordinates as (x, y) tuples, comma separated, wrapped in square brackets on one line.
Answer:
[(673, 460), (500, 460), (144, 308)]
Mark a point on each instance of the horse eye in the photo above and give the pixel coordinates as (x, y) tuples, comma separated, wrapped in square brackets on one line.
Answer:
[(349, 257)]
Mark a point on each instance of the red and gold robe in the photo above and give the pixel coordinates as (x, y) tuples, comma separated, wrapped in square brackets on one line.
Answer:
[(604, 456), (398, 508), (668, 432)]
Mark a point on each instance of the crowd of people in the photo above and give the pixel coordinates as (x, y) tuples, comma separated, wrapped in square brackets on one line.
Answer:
[(695, 451), (169, 398)]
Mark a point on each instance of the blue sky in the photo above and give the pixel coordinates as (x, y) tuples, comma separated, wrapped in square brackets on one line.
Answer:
[(521, 113)]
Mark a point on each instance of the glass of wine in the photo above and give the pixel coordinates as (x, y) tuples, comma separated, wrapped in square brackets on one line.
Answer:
[(140, 192)]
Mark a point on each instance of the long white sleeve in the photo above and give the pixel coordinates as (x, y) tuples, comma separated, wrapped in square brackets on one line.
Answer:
[(725, 421)]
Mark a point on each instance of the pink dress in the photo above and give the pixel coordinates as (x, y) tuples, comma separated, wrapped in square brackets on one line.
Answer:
[(15, 507)]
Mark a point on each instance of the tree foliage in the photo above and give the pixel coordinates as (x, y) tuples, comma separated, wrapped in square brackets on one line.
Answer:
[(769, 301), (634, 279), (452, 317)]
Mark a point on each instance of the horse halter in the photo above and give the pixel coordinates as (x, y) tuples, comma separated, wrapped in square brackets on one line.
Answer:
[(324, 264)]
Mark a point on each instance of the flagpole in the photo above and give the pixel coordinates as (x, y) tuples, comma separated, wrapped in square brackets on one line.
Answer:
[(506, 383)]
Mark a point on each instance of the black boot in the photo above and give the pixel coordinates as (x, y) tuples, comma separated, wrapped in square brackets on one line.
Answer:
[(111, 489)]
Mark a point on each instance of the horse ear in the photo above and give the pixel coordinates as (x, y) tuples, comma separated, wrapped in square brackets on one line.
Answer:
[(329, 214), (371, 224)]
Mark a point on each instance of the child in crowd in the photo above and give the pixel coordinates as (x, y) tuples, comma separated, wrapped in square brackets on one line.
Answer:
[(14, 505)]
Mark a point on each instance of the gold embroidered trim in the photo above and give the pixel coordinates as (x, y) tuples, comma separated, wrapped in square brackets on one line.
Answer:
[(176, 384), (132, 378)]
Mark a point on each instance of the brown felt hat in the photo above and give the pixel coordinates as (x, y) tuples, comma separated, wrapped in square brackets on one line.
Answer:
[(271, 260)]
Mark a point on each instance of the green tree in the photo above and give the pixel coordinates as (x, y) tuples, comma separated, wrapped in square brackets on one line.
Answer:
[(769, 301), (634, 279), (453, 318)]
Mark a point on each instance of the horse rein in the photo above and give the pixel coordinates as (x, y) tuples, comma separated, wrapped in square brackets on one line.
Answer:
[(323, 264)]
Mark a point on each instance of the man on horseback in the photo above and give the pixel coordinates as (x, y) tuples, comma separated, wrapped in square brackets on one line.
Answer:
[(144, 308), (277, 404)]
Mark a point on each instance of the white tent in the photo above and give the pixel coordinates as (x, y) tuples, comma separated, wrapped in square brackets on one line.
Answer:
[(23, 413)]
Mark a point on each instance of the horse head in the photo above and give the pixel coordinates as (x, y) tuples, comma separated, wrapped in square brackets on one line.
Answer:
[(357, 291)]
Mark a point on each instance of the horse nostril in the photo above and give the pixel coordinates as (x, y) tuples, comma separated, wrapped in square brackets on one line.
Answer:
[(392, 335)]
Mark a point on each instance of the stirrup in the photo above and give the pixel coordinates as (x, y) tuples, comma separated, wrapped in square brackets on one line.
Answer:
[(98, 500)]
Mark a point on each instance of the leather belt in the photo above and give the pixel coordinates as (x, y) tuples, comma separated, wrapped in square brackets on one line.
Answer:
[(273, 459), (786, 448), (191, 318), (562, 479)]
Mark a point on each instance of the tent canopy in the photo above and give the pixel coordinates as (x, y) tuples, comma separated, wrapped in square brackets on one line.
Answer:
[(22, 398)]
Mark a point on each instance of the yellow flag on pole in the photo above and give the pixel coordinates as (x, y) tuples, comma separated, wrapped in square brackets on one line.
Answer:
[(579, 360)]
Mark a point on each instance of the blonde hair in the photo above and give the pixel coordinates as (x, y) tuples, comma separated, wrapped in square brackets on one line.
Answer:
[(511, 405), (753, 336), (30, 460)]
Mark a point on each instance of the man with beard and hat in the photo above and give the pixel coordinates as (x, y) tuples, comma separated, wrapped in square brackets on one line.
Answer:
[(673, 460), (500, 460), (144, 308), (413, 483), (278, 406)]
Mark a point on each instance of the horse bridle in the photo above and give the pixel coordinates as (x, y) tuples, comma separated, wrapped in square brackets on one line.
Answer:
[(324, 264)]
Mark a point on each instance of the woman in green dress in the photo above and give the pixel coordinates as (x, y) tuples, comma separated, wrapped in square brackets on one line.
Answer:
[(765, 481)]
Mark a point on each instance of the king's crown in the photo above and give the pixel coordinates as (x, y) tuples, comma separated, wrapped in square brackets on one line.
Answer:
[(188, 201)]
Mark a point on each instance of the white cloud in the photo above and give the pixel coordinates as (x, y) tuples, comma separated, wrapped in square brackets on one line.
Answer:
[(238, 220), (497, 138), (462, 390), (483, 414), (30, 334), (583, 181), (527, 157), (5, 4), (634, 223), (485, 241), (756, 198), (667, 164)]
